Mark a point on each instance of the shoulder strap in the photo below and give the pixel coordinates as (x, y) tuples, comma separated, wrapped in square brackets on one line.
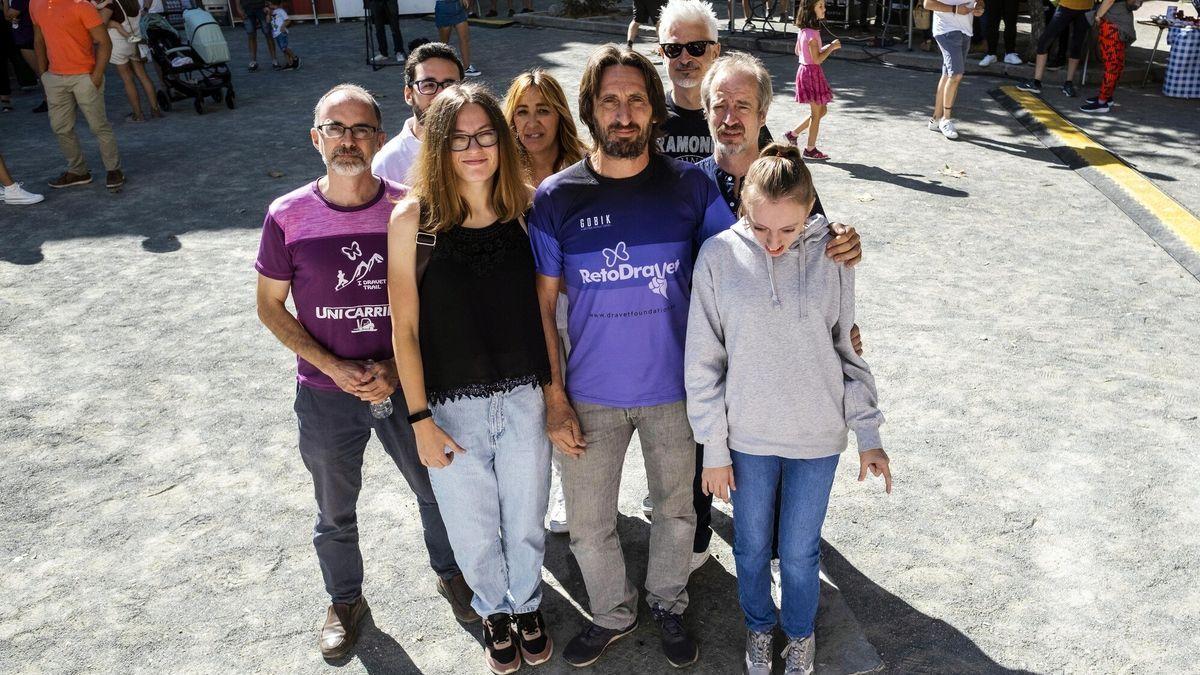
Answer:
[(425, 243)]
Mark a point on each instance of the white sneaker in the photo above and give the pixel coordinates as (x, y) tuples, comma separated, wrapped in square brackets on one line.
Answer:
[(1012, 59), (800, 655), (987, 60), (698, 560), (934, 125), (558, 509), (471, 71), (948, 129), (400, 57), (379, 58), (18, 196)]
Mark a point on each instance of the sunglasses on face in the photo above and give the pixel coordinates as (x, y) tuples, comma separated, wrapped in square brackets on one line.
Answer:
[(484, 139), (696, 48), (335, 130), (431, 86)]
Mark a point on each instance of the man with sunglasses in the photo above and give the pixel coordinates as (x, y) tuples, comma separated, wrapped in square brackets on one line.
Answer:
[(687, 36), (325, 245), (429, 69)]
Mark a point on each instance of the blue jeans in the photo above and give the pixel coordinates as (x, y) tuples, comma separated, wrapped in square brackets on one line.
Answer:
[(494, 496), (805, 484)]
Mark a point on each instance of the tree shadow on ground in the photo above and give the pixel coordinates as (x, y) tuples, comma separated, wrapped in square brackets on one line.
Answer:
[(908, 641)]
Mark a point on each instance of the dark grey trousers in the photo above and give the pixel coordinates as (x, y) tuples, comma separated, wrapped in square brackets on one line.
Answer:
[(334, 430)]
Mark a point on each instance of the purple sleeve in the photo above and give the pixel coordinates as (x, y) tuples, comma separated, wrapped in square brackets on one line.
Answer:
[(716, 216), (274, 258), (543, 237)]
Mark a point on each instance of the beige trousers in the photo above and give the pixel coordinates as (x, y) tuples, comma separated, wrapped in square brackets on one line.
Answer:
[(63, 94)]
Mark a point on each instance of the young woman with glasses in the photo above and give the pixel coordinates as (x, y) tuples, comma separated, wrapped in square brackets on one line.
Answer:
[(472, 358)]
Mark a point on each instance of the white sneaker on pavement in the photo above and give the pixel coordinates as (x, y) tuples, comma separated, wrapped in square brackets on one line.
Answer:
[(1013, 59), (934, 125), (948, 129), (379, 58), (988, 60), (18, 196), (471, 71)]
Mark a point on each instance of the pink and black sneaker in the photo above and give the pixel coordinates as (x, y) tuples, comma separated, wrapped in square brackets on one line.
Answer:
[(815, 155)]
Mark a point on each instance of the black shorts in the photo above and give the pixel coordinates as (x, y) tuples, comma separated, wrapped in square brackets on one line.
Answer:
[(646, 11)]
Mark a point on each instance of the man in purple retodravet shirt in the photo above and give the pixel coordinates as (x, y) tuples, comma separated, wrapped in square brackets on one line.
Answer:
[(324, 244)]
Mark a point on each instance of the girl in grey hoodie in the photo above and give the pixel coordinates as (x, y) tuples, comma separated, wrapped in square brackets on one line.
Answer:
[(773, 387)]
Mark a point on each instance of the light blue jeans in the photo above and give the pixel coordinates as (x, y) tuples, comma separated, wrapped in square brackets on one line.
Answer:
[(493, 497)]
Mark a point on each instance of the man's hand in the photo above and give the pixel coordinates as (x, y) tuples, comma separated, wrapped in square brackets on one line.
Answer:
[(718, 481), (382, 383), (432, 443), (978, 11), (349, 376), (856, 339), (12, 14), (876, 461), (846, 246), (562, 426), (98, 80)]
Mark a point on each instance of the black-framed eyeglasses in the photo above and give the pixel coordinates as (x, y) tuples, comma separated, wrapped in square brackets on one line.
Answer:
[(696, 48), (335, 130), (484, 139), (430, 86)]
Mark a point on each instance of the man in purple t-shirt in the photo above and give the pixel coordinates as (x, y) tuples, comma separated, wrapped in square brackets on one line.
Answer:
[(324, 244)]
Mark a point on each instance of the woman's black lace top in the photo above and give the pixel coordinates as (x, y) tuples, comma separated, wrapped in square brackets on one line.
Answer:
[(480, 327)]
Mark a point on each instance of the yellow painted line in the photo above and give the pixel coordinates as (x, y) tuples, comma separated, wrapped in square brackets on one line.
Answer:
[(1180, 221)]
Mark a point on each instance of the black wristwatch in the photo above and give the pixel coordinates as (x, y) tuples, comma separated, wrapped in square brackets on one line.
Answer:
[(419, 415)]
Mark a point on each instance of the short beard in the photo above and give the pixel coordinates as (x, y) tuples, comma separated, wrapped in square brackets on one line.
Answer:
[(348, 166), (630, 149), (687, 82), (419, 113)]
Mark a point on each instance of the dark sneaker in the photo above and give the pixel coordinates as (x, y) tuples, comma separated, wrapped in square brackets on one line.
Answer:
[(1032, 86), (585, 648), (253, 67), (114, 179), (799, 657), (456, 592), (1068, 89), (295, 64), (536, 645), (490, 13), (499, 648), (1096, 106), (816, 155), (276, 66), (69, 179), (341, 628), (676, 645)]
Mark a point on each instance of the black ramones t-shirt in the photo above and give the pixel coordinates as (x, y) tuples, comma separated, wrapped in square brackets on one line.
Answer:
[(685, 135)]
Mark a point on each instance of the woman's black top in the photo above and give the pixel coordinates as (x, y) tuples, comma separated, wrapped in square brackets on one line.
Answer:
[(480, 326)]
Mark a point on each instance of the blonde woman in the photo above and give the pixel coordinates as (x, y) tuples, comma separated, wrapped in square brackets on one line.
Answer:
[(536, 109), (472, 358)]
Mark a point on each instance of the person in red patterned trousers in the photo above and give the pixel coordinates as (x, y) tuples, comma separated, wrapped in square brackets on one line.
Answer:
[(1116, 34)]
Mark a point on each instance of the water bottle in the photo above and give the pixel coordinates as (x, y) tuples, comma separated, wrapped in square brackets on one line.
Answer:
[(383, 409)]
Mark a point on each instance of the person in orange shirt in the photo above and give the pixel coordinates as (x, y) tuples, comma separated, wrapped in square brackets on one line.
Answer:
[(73, 48)]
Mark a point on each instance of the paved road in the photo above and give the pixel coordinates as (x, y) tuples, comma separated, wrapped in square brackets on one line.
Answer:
[(1036, 354)]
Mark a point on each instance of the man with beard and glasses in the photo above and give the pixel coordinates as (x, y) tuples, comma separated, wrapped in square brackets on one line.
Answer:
[(619, 229), (324, 244), (430, 68), (687, 36)]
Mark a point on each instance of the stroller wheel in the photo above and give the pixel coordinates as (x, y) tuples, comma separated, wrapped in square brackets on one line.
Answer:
[(229, 100), (164, 101), (199, 105)]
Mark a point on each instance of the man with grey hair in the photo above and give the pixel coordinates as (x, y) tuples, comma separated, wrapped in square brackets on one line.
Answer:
[(324, 244), (687, 36)]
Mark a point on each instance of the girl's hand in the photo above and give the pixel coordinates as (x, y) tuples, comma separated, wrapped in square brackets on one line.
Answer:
[(432, 443), (718, 481), (876, 461), (835, 45)]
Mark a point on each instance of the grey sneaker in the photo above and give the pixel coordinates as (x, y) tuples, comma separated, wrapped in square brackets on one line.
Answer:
[(758, 654), (800, 655)]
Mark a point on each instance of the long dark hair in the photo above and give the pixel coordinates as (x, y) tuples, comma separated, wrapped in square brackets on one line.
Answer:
[(593, 72), (806, 14)]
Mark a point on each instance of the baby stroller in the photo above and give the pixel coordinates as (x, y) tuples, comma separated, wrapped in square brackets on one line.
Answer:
[(186, 74)]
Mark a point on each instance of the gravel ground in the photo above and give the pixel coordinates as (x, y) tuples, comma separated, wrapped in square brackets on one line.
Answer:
[(1036, 354)]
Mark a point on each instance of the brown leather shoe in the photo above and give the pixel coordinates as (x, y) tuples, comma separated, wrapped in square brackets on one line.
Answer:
[(114, 179), (340, 631), (456, 591), (68, 179)]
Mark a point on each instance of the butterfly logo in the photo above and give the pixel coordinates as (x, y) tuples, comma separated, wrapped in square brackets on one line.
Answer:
[(618, 252), (352, 251)]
